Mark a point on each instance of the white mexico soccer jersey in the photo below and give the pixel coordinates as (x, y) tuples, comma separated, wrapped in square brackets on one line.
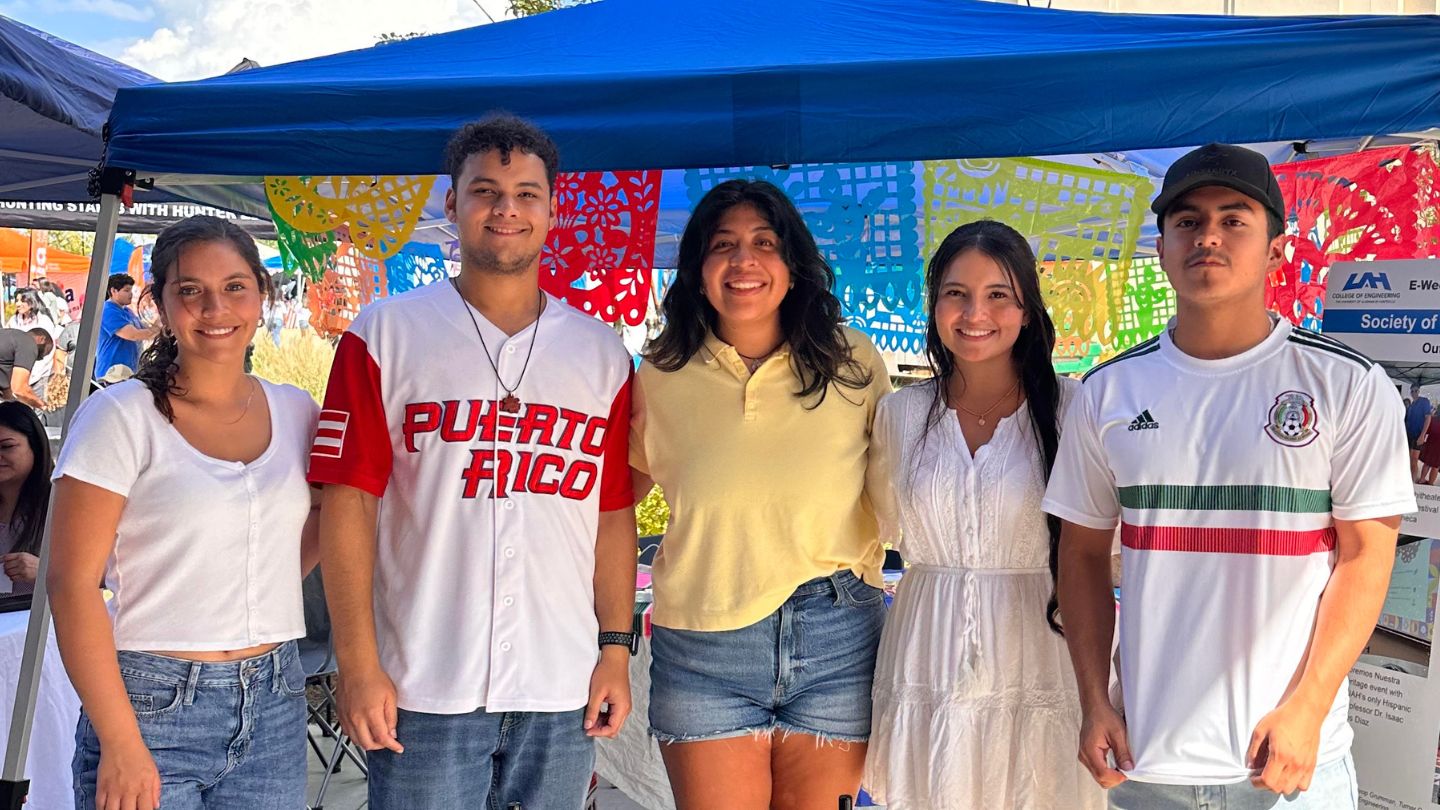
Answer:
[(485, 554), (1226, 477)]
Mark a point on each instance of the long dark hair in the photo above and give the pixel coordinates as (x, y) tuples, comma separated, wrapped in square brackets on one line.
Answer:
[(158, 365), (1031, 352), (809, 313), (28, 519)]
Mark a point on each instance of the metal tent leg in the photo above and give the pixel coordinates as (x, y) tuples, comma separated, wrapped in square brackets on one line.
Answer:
[(14, 787)]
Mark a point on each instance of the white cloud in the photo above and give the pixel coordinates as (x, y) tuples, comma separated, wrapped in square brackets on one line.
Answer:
[(200, 38), (115, 9)]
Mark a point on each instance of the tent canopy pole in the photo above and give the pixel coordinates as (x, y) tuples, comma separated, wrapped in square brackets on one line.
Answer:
[(14, 787)]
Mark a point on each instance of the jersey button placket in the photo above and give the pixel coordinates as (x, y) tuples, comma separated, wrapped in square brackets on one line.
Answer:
[(252, 552)]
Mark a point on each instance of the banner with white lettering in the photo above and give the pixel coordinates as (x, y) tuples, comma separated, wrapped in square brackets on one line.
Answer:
[(1388, 310)]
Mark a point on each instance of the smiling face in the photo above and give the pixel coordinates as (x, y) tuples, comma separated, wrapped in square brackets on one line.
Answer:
[(744, 275), (1215, 248), (503, 210), (212, 301), (16, 457), (977, 311)]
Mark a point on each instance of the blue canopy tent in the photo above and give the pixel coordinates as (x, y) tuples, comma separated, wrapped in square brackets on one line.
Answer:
[(645, 84), (54, 99), (637, 84)]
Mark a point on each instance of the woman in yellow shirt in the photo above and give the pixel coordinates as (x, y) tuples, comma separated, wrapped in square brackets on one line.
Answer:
[(753, 411)]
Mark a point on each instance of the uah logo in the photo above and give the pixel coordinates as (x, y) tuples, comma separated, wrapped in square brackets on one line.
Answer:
[(1360, 281)]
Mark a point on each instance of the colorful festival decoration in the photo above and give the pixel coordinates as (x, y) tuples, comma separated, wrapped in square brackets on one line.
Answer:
[(1082, 222), (865, 221), (1377, 204), (876, 222), (348, 237), (598, 257)]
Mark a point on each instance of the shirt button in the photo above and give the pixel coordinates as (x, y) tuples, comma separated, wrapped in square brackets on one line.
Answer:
[(510, 349), (509, 504), (509, 552), (508, 601), (505, 646)]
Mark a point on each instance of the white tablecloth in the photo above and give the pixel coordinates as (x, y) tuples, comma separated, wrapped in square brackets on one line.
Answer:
[(57, 709), (632, 761)]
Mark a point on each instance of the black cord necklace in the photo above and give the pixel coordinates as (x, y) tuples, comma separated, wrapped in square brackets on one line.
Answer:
[(511, 403)]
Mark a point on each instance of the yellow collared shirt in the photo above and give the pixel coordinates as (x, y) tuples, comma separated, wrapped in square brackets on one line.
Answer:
[(764, 493)]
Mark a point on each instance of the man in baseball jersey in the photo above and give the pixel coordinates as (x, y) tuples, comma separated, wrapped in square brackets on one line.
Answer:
[(1258, 473), (476, 527)]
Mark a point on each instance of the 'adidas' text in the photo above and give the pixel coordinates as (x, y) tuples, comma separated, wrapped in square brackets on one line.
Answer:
[(1144, 422)]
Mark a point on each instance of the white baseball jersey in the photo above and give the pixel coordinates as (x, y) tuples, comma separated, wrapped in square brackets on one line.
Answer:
[(1227, 477), (485, 560)]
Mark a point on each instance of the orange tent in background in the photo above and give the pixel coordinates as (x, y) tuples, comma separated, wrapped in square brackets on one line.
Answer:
[(15, 257)]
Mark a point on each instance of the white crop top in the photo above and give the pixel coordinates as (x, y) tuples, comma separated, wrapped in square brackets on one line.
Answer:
[(207, 552)]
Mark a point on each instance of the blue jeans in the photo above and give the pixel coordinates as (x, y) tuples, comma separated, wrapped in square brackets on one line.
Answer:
[(481, 761), (225, 736), (807, 668), (1332, 788)]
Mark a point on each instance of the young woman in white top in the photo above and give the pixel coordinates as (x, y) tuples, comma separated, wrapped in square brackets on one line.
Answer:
[(975, 703), (184, 491)]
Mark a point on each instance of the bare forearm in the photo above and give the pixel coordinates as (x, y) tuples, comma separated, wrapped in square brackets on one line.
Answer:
[(1087, 609), (1345, 620), (347, 553), (615, 555), (87, 646)]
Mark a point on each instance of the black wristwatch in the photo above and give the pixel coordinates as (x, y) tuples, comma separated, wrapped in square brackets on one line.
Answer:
[(630, 641)]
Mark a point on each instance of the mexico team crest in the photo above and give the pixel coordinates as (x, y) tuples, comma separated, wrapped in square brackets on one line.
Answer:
[(1292, 419)]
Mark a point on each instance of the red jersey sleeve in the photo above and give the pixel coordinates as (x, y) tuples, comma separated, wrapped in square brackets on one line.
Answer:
[(615, 489), (352, 441)]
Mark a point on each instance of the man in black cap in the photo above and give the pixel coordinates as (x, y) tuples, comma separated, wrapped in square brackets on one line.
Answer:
[(1258, 472)]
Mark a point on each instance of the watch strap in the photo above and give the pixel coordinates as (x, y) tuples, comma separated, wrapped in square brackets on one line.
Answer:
[(630, 641)]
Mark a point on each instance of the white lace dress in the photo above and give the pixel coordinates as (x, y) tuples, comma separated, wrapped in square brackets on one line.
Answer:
[(975, 701)]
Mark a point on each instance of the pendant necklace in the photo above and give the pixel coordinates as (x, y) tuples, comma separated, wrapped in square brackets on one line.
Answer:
[(981, 415), (753, 363), (510, 403)]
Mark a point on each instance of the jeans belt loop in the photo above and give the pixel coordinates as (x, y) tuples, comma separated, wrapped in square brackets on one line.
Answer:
[(277, 669), (191, 681)]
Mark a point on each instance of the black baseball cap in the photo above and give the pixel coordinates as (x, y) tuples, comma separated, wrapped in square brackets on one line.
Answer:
[(1219, 164)]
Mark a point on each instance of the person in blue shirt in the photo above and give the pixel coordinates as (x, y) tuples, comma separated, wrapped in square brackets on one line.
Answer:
[(121, 330), (1417, 424)]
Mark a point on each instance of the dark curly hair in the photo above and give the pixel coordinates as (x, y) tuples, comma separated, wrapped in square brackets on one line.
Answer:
[(158, 365), (809, 314), (1031, 353), (118, 282), (504, 133)]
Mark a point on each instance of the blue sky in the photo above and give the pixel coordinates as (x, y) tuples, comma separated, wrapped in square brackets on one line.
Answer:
[(106, 26), (191, 39)]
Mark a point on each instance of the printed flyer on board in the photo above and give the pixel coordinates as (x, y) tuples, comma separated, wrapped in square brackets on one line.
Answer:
[(1390, 310)]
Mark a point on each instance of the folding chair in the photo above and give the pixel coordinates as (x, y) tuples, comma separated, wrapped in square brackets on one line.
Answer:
[(317, 657)]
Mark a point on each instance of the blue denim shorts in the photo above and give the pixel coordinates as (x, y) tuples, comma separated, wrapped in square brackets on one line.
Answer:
[(222, 735), (804, 669)]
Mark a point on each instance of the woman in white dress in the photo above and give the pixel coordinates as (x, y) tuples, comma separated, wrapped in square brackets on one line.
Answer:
[(975, 702)]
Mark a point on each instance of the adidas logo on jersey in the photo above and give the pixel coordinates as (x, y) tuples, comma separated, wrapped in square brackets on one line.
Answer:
[(1144, 422)]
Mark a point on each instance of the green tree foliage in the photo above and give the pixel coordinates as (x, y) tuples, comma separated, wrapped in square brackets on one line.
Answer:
[(73, 241), (529, 8)]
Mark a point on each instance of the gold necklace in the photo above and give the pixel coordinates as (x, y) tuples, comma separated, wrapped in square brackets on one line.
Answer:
[(246, 410), (981, 415)]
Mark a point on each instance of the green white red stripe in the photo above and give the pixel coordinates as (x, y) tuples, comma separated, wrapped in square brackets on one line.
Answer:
[(1204, 505), (1260, 542)]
